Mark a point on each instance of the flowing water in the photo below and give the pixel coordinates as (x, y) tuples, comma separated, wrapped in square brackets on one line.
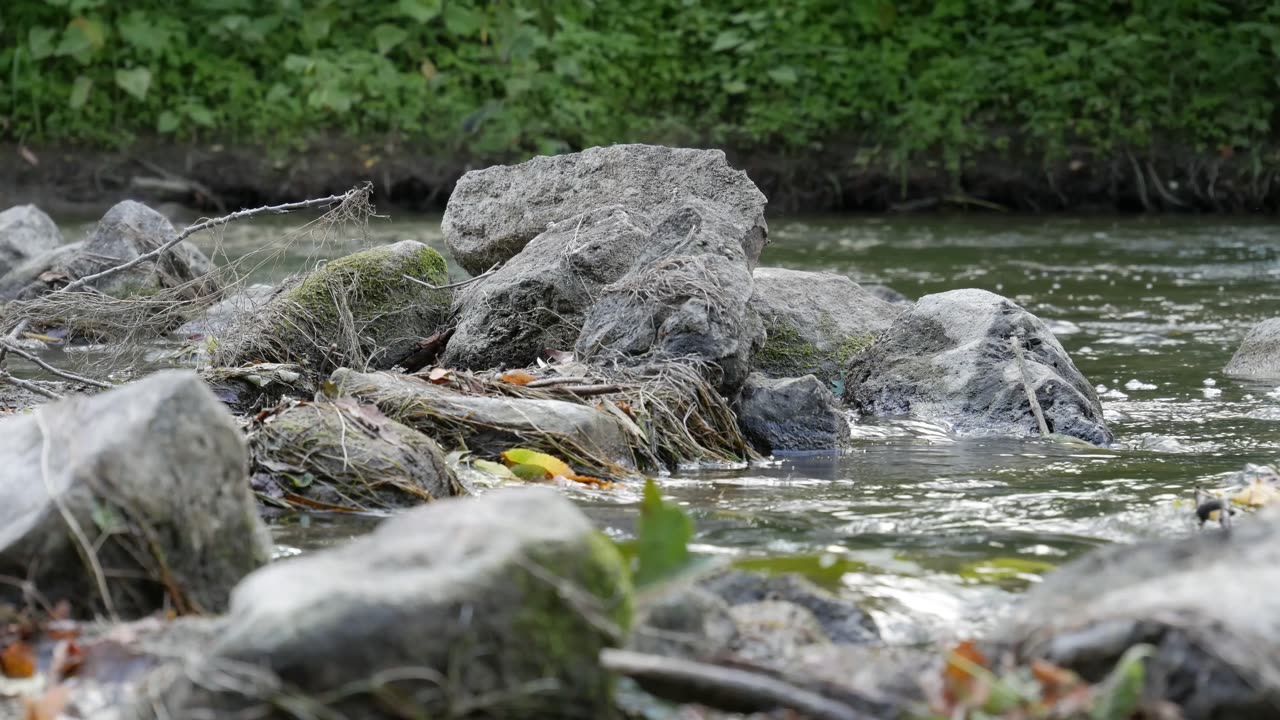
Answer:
[(934, 533)]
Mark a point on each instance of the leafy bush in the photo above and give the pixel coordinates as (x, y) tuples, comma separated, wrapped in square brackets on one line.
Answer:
[(516, 77)]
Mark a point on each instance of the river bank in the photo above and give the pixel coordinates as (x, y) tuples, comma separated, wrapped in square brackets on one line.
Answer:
[(840, 177)]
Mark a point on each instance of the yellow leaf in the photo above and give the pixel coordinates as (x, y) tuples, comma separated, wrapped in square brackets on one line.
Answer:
[(528, 471), (1257, 494), (553, 465), (428, 69), (517, 377)]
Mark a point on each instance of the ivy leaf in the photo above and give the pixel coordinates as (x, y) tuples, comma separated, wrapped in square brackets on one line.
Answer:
[(40, 40), (315, 28), (167, 122), (199, 114), (735, 87), (142, 32), (80, 91), (727, 40), (784, 75), (136, 82), (461, 20), (422, 11), (663, 533), (388, 37)]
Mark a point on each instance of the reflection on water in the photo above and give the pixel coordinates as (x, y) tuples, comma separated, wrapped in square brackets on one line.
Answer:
[(914, 518)]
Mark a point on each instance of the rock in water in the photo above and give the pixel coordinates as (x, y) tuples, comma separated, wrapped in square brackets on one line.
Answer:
[(128, 230), (691, 307), (948, 359), (220, 318), (1208, 604), (25, 232), (493, 213), (815, 322), (347, 454), (791, 415), (490, 607), (359, 311), (157, 471), (1259, 354)]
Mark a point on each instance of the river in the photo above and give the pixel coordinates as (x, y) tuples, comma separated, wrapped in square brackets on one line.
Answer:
[(937, 534)]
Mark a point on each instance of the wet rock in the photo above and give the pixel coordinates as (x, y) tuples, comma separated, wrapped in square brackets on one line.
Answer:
[(841, 620), (790, 415), (1206, 603), (815, 322), (772, 632), (220, 318), (493, 213), (489, 425), (25, 233), (1259, 354), (129, 229), (888, 294), (358, 311), (510, 596), (256, 387), (948, 359), (881, 681), (347, 454), (690, 622), (691, 307), (154, 474)]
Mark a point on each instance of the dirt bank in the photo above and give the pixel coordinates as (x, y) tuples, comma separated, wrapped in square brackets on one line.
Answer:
[(837, 178)]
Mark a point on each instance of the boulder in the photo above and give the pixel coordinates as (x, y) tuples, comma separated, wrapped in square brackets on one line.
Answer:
[(949, 359), (689, 622), (815, 322), (1259, 354), (346, 454), (888, 294), (129, 229), (493, 213), (840, 620), (220, 318), (691, 307), (361, 310), (791, 415), (1208, 605), (490, 607), (488, 425), (25, 233), (153, 475)]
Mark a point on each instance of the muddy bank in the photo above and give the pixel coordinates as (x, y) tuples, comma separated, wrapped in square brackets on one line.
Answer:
[(839, 177)]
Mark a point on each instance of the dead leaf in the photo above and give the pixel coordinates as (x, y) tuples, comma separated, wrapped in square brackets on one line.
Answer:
[(1258, 493), (29, 156), (559, 357), (959, 681), (50, 277), (440, 376), (67, 658), (18, 660), (1056, 683), (517, 377), (48, 706)]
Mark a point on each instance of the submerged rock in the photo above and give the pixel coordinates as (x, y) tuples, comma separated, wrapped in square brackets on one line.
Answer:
[(791, 414), (1259, 354), (489, 425), (888, 294), (949, 359), (346, 454), (220, 318), (129, 229), (1206, 603), (26, 232), (154, 471), (490, 607), (815, 322), (256, 387), (690, 307), (493, 213), (841, 620), (358, 311)]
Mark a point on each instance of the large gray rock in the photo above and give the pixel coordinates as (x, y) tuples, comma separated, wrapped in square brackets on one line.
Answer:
[(129, 229), (949, 359), (815, 322), (791, 415), (489, 425), (25, 233), (493, 213), (692, 307), (1259, 354), (491, 607), (221, 317), (154, 475), (1209, 604), (358, 311)]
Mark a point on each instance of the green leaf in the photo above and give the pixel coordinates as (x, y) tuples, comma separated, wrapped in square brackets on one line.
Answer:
[(80, 91), (784, 75), (40, 40), (388, 37), (167, 122), (663, 534), (1122, 690), (461, 20), (82, 37), (298, 63), (199, 114), (142, 32), (735, 87), (496, 469), (727, 40), (529, 472), (136, 82), (315, 28), (420, 10)]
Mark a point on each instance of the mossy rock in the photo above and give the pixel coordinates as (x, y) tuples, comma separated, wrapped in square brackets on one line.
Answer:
[(363, 310)]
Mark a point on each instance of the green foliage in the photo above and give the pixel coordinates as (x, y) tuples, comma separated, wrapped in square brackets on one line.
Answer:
[(517, 77), (663, 533)]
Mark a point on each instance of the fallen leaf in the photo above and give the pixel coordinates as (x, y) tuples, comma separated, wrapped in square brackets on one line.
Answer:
[(553, 465), (517, 377), (29, 156), (18, 660), (960, 677), (48, 706), (495, 469), (1055, 682), (1258, 493), (49, 277), (67, 658), (530, 472), (440, 375), (559, 357)]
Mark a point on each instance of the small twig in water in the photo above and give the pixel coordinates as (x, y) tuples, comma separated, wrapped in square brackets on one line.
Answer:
[(12, 337), (5, 377), (64, 374), (585, 390), (567, 380), (460, 283), (1026, 385)]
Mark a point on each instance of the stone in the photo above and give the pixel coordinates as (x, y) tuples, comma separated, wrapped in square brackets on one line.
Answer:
[(1207, 604), (772, 632), (948, 359), (815, 322), (500, 605), (249, 389), (26, 232), (888, 294), (689, 307), (1259, 355), (840, 620), (356, 311), (791, 415), (493, 213), (21, 281), (220, 318), (687, 622), (488, 425), (160, 468), (347, 454)]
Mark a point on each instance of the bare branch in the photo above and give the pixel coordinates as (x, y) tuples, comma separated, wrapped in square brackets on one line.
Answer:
[(13, 335), (5, 377), (460, 283), (64, 374)]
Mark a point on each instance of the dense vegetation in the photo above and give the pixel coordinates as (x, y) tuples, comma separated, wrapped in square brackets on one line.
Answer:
[(952, 78)]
